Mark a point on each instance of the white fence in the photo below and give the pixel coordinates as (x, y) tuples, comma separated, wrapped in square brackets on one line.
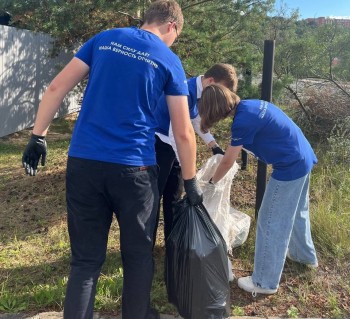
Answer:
[(25, 71)]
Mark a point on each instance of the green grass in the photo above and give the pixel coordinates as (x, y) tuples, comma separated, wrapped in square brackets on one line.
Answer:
[(331, 206), (34, 243)]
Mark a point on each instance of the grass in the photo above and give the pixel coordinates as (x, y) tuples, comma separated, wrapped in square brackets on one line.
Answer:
[(331, 201), (34, 245)]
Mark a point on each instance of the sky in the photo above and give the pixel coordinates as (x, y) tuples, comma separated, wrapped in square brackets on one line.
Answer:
[(317, 8)]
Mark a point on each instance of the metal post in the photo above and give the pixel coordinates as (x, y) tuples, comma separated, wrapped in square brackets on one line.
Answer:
[(266, 95)]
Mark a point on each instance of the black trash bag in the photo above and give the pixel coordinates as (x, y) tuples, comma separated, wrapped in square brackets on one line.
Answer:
[(196, 274)]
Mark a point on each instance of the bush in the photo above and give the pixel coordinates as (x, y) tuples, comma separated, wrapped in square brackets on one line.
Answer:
[(328, 112)]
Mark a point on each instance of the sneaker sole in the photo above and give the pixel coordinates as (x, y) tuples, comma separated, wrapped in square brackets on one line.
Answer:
[(258, 290)]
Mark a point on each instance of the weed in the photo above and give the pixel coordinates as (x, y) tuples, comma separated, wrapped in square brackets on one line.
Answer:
[(293, 312), (47, 295), (237, 311), (11, 303), (333, 305)]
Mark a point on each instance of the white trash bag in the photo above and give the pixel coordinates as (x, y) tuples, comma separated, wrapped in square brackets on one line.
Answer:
[(233, 224)]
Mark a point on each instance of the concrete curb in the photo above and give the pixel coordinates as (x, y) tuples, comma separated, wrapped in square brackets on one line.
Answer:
[(59, 315)]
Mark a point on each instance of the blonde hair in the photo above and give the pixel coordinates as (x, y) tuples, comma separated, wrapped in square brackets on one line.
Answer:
[(224, 73), (217, 103), (163, 11)]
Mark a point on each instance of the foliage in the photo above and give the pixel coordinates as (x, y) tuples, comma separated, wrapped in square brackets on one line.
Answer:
[(71, 23), (331, 197), (215, 30), (293, 312), (304, 51), (221, 31), (312, 67), (328, 111), (10, 303), (237, 311)]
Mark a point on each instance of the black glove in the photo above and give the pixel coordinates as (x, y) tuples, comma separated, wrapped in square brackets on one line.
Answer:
[(35, 149), (217, 150), (193, 191)]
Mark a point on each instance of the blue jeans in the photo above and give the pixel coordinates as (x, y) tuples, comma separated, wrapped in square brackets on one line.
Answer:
[(95, 190), (283, 223)]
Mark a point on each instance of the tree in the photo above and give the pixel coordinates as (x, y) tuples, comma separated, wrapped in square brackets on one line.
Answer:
[(215, 30), (312, 64), (72, 22)]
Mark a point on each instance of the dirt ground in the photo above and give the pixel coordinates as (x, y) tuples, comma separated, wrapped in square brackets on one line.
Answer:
[(323, 292)]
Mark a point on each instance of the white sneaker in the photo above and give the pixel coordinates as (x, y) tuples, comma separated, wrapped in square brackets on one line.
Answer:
[(246, 283), (297, 261)]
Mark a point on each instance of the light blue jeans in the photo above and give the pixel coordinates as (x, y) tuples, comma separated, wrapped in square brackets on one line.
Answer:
[(283, 224)]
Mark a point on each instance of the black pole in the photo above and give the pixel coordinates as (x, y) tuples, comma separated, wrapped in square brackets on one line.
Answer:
[(266, 95), (5, 17)]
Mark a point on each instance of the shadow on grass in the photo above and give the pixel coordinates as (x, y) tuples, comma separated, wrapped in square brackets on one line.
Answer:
[(31, 205), (41, 287)]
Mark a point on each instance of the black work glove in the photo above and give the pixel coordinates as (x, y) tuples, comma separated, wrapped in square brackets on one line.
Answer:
[(217, 150), (35, 149), (193, 191)]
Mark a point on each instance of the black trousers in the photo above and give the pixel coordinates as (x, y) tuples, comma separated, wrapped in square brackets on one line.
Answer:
[(94, 191), (170, 183)]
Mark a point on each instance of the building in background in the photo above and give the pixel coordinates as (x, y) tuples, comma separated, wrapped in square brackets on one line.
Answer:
[(344, 21)]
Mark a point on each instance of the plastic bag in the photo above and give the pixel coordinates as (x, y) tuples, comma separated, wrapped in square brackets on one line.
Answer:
[(196, 265), (233, 224)]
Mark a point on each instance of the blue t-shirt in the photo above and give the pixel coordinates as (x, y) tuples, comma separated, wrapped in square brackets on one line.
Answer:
[(129, 70), (162, 112), (266, 131)]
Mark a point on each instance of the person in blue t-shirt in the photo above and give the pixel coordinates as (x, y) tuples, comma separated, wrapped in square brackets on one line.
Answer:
[(169, 180), (283, 225), (111, 164)]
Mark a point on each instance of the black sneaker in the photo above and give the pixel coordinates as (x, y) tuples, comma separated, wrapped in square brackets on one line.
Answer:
[(153, 314)]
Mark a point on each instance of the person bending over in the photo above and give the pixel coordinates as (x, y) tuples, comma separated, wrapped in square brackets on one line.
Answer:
[(170, 183), (283, 225)]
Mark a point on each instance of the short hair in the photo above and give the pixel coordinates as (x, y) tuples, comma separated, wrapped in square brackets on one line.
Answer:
[(163, 11), (217, 103), (224, 73)]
